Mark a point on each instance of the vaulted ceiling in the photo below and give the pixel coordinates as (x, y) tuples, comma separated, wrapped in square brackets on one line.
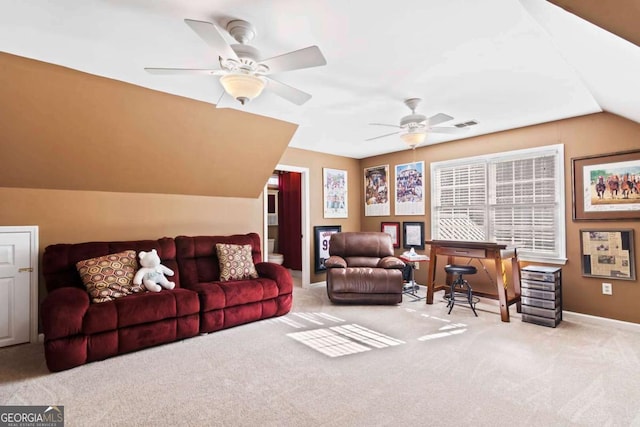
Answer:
[(503, 63)]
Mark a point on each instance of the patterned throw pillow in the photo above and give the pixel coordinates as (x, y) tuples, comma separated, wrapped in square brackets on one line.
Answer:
[(109, 277), (236, 262)]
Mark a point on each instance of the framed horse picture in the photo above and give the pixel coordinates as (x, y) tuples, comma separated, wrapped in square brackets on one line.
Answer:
[(606, 186)]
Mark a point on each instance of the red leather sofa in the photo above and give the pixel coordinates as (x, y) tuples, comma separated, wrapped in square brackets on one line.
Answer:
[(77, 331), (226, 304)]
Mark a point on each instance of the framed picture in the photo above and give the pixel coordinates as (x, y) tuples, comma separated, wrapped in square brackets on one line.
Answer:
[(393, 229), (321, 243), (410, 189), (334, 185), (606, 186), (608, 254), (413, 235), (376, 191)]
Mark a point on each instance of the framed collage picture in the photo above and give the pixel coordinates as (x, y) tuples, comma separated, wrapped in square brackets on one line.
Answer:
[(608, 254), (409, 189), (334, 185), (376, 191)]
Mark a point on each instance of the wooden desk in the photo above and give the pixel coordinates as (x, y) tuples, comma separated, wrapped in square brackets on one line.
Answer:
[(483, 250)]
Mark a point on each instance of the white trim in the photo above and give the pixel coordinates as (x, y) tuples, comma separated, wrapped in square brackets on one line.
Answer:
[(558, 261), (34, 282), (317, 284), (562, 223), (306, 266), (556, 150), (33, 277), (504, 154), (603, 321)]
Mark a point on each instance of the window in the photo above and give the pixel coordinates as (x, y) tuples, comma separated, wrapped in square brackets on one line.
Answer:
[(516, 198)]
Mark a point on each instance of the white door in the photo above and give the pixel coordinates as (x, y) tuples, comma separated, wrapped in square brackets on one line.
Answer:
[(15, 287)]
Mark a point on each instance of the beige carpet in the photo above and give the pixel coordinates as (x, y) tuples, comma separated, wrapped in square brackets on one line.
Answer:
[(328, 365)]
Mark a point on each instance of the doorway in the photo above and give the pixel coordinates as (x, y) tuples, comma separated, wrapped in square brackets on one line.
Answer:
[(303, 251)]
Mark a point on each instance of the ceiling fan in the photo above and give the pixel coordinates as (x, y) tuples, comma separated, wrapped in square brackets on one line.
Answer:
[(242, 70), (414, 127)]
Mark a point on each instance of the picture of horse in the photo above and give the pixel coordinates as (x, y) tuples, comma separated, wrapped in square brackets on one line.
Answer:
[(613, 183), (606, 186)]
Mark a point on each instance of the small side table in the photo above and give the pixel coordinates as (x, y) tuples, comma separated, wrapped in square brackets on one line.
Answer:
[(412, 287)]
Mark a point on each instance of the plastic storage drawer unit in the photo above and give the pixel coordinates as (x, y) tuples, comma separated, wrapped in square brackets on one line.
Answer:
[(541, 295)]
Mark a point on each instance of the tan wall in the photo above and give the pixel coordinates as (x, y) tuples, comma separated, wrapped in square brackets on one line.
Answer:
[(65, 216), (71, 212), (583, 136), (315, 162), (619, 17), (63, 129)]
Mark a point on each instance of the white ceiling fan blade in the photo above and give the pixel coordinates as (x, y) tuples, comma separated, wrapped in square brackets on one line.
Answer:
[(296, 60), (382, 136), (439, 118), (213, 37), (448, 129), (189, 71), (384, 124), (289, 93)]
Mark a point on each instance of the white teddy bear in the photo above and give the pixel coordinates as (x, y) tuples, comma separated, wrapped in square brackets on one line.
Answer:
[(151, 274)]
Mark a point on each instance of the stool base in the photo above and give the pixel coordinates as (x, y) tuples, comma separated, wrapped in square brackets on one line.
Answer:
[(461, 292)]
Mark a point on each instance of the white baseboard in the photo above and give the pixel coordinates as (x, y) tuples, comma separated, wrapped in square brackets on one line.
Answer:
[(596, 320), (315, 285), (295, 273), (492, 305)]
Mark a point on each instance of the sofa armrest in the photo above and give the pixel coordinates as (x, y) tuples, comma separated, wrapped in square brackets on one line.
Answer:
[(62, 312), (391, 262), (335, 261), (277, 273)]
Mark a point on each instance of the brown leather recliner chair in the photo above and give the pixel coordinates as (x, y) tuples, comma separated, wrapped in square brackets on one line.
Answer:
[(362, 269)]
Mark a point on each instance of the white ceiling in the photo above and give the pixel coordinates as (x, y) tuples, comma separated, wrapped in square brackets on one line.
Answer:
[(504, 63)]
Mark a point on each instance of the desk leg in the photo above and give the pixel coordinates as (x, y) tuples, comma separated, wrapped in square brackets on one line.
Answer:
[(431, 276), (515, 273), (502, 291)]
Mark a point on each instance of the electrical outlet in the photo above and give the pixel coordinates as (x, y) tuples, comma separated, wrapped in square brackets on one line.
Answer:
[(416, 265), (607, 289)]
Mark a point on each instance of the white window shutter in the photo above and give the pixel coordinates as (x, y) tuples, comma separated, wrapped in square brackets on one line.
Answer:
[(516, 198)]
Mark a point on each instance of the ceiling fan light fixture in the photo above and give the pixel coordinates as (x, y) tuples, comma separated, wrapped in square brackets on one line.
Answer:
[(243, 87), (413, 138)]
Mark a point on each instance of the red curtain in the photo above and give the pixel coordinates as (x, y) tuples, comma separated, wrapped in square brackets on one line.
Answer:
[(290, 219)]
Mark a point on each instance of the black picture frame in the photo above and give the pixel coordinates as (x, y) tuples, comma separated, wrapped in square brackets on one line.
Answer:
[(413, 235), (322, 235), (611, 251)]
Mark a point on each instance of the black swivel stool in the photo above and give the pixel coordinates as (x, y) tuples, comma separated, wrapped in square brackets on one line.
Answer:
[(460, 286)]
